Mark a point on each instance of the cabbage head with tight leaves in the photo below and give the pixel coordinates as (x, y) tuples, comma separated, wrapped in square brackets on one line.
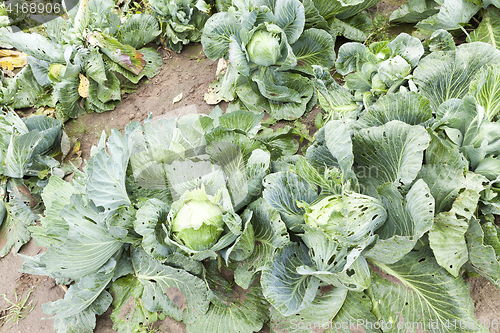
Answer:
[(198, 223)]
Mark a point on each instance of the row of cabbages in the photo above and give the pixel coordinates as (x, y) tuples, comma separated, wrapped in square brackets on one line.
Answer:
[(86, 62), (390, 206)]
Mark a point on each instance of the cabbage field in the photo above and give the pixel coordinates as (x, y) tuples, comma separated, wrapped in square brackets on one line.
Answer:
[(238, 166)]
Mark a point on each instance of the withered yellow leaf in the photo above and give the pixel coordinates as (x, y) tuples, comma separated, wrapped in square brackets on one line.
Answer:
[(83, 88), (12, 59)]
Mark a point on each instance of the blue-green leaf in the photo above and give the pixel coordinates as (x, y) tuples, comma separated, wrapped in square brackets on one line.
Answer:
[(283, 191), (288, 291), (160, 281)]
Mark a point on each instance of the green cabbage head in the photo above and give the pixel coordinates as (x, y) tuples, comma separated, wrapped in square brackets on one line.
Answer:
[(264, 48), (349, 219), (199, 223)]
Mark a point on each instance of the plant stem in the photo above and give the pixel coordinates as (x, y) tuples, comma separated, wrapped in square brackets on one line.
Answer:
[(375, 309)]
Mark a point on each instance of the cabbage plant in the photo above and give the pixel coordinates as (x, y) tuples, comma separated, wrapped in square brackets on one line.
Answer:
[(84, 62), (367, 194), (28, 148), (270, 54), (450, 15), (20, 91), (428, 157), (155, 210), (384, 67), (181, 21)]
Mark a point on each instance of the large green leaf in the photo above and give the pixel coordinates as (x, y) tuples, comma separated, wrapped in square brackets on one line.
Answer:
[(68, 98), (293, 110), (23, 89), (279, 141), (288, 93), (355, 314), (410, 108), (356, 28), (446, 180), (186, 176), (290, 17), (318, 154), (152, 67), (314, 47), (408, 47), (50, 129), (83, 300), (488, 30), (160, 281), (407, 220), (229, 311), (129, 313), (391, 153), (107, 91), (35, 45), (149, 222), (233, 139), (106, 174), (440, 152), (244, 245), (441, 40), (124, 55), (95, 68), (425, 295), (217, 33), (17, 217), (353, 7), (414, 10), (318, 314), (330, 180), (243, 180), (19, 154), (460, 114), (246, 121), (452, 15), (270, 233), (335, 100), (99, 93), (338, 141), (138, 30), (247, 91), (288, 291), (328, 9), (351, 56), (336, 263), (313, 17), (283, 191), (486, 89), (444, 75), (56, 194), (447, 236), (88, 245), (482, 256)]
